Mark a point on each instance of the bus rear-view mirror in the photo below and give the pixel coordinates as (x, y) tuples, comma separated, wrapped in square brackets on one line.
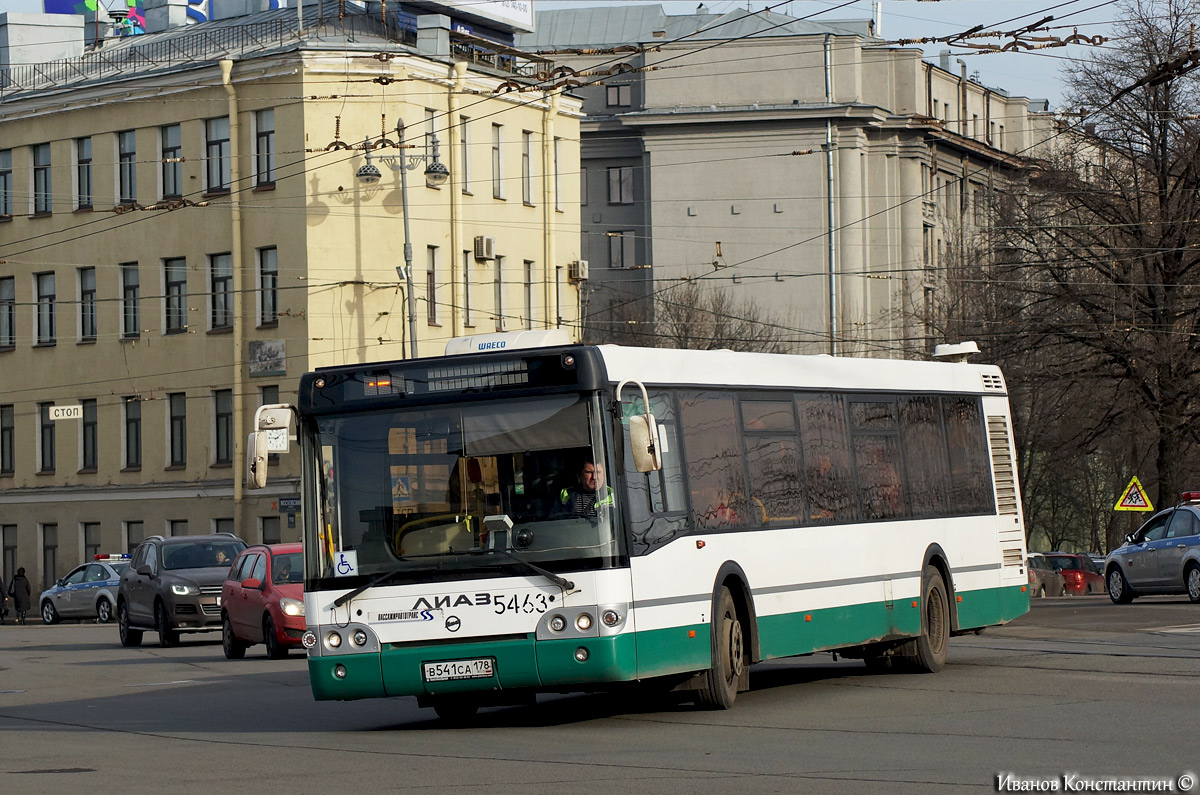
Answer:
[(643, 438), (256, 460)]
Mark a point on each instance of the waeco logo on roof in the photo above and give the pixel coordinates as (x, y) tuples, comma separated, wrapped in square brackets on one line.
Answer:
[(494, 345)]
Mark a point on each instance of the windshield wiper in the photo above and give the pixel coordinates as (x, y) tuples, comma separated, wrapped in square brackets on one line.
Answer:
[(380, 580), (561, 582)]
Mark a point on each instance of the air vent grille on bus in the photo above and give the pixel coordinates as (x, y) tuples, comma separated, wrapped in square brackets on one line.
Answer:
[(1012, 557), (993, 382), (1002, 465)]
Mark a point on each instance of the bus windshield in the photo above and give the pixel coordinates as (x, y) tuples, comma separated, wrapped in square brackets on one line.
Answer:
[(429, 489)]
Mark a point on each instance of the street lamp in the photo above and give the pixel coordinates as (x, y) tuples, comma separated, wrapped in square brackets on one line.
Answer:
[(436, 175)]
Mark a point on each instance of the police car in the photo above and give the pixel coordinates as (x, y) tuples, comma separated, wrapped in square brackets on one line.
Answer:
[(89, 591)]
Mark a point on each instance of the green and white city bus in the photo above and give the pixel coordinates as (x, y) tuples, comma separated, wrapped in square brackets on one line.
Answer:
[(752, 506)]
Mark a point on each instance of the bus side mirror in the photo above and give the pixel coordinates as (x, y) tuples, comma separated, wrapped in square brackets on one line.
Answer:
[(256, 460), (643, 438)]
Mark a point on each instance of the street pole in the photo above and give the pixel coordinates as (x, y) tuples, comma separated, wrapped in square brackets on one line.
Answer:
[(408, 277)]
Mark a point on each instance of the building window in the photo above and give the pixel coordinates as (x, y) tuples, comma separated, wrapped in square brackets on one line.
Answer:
[(177, 527), (5, 183), (83, 173), (175, 281), (133, 433), (499, 293), (497, 162), (130, 310), (620, 185), (177, 414), (87, 445), (172, 162), (49, 555), (42, 194), (430, 132), (87, 304), (217, 154), (620, 96), (220, 269), (8, 537), (431, 307), (8, 432), (558, 205), (268, 287), (264, 147), (974, 125), (223, 425), (621, 250), (46, 328), (1001, 136), (583, 187), (126, 167), (91, 540), (223, 526), (527, 167), (45, 438), (528, 293), (135, 534), (464, 167), (270, 530), (8, 312), (466, 270)]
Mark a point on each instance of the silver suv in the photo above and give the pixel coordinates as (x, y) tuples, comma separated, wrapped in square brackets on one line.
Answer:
[(1162, 557), (173, 585)]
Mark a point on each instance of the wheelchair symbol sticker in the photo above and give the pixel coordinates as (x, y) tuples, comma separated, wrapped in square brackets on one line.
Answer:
[(346, 564)]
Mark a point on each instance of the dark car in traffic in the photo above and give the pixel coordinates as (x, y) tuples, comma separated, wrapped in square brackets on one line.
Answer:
[(1161, 557), (262, 601), (173, 585)]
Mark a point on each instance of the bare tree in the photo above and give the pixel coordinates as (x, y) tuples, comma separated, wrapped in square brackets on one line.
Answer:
[(695, 315), (1103, 252)]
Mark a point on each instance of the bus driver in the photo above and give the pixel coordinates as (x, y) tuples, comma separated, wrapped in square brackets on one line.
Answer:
[(588, 494)]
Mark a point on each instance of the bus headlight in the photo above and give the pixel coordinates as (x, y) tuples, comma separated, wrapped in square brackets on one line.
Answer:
[(333, 640), (584, 622), (291, 607)]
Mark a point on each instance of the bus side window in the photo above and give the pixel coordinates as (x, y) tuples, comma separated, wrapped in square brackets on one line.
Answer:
[(656, 501), (712, 435)]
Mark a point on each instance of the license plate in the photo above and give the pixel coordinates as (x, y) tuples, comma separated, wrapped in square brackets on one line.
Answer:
[(482, 668)]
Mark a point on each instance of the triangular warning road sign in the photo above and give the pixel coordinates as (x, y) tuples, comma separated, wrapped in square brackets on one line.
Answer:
[(1134, 498)]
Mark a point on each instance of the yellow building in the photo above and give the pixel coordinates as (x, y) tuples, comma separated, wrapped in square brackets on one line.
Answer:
[(189, 220)]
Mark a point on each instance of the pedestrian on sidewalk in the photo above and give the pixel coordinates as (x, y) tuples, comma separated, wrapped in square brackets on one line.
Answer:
[(21, 593)]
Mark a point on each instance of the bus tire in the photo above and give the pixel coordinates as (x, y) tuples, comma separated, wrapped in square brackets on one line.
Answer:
[(927, 653), (729, 656)]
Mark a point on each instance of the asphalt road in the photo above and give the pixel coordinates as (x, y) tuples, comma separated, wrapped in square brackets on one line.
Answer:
[(1078, 686)]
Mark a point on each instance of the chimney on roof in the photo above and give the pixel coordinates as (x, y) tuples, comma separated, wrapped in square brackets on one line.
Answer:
[(944, 60), (38, 38), (702, 9), (433, 35), (165, 14)]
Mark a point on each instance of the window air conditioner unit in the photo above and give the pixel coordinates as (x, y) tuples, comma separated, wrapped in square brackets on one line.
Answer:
[(485, 248), (577, 271)]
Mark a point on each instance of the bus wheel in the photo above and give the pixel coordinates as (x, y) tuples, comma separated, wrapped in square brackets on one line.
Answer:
[(729, 656), (927, 653), (455, 709)]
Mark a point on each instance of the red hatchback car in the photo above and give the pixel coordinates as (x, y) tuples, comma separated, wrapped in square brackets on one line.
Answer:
[(1078, 571), (262, 600)]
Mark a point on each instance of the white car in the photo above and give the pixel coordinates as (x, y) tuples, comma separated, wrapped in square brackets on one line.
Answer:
[(89, 591)]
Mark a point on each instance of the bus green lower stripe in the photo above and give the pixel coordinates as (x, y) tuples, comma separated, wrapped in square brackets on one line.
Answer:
[(527, 663)]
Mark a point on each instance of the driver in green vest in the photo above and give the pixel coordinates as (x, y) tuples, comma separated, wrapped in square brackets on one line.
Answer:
[(589, 494)]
